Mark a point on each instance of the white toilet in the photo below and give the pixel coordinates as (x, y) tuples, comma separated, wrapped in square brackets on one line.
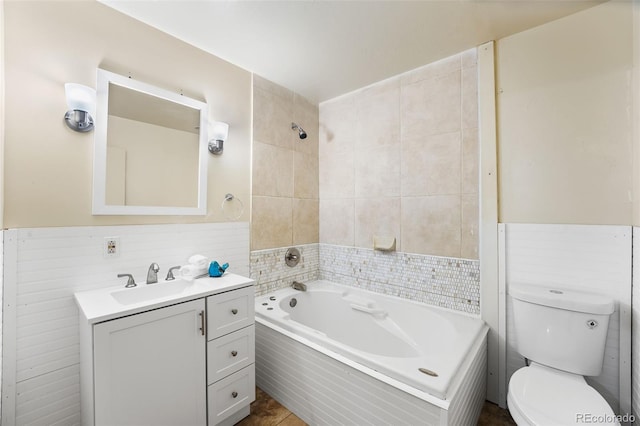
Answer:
[(562, 333)]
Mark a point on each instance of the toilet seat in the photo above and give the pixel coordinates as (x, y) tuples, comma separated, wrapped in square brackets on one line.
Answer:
[(543, 396)]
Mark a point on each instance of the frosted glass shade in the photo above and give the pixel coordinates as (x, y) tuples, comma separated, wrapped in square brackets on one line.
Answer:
[(219, 131), (80, 98)]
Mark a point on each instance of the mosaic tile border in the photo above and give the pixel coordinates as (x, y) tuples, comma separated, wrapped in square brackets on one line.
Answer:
[(268, 269), (446, 282), (441, 281)]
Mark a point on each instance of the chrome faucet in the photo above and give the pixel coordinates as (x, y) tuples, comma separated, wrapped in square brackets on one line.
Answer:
[(130, 282), (170, 276), (299, 286), (152, 274)]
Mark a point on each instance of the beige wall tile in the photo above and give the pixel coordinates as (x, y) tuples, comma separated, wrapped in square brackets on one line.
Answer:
[(273, 173), (431, 107), (431, 225), (305, 114), (378, 115), (392, 160), (337, 221), (272, 117), (285, 168), (469, 58), (271, 87), (470, 161), (470, 226), (377, 216), (377, 172), (336, 150), (271, 222), (336, 175), (306, 221), (398, 152), (431, 165), (338, 123), (442, 67), (377, 147), (470, 98), (305, 176)]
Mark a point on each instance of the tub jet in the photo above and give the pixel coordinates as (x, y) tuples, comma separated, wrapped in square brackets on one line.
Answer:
[(428, 372)]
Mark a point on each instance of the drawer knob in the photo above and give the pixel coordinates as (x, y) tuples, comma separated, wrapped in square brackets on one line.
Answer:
[(234, 394), (234, 311), (234, 353)]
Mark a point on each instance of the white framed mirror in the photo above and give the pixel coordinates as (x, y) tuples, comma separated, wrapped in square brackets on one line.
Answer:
[(150, 150)]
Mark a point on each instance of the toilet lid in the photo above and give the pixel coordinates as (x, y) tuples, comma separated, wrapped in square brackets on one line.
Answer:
[(546, 396)]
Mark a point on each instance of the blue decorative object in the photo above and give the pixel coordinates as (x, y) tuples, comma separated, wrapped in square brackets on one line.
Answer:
[(215, 270)]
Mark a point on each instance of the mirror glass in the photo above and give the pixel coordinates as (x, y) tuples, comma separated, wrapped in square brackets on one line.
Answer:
[(150, 152)]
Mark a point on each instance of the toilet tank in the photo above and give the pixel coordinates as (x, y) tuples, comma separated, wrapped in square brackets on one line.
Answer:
[(560, 328)]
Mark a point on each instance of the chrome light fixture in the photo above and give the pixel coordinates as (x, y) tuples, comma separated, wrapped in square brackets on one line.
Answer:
[(218, 133), (81, 101)]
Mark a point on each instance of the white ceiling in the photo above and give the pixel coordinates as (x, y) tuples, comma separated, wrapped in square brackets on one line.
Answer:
[(322, 49)]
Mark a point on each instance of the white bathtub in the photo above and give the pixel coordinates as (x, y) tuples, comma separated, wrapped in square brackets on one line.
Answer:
[(388, 339)]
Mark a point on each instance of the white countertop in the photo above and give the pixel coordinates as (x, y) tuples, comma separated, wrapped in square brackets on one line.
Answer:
[(99, 305)]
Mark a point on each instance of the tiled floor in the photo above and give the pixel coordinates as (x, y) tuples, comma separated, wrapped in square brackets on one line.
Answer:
[(266, 411), (492, 415)]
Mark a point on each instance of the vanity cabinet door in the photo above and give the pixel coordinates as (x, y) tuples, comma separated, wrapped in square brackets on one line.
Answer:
[(150, 368)]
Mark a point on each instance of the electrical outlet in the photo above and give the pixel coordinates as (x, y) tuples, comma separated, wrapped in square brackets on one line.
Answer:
[(111, 247)]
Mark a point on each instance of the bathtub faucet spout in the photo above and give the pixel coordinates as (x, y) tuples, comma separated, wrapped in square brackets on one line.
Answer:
[(299, 286)]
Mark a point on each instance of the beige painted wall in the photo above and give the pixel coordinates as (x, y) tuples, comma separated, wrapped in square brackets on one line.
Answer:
[(285, 168), (47, 167), (399, 159), (564, 120), (636, 115), (2, 113)]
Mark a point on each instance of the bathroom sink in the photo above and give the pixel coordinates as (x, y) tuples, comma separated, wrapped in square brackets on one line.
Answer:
[(107, 303), (145, 292)]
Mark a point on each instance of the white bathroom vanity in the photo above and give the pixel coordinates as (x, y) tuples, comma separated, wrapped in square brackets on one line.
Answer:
[(169, 353)]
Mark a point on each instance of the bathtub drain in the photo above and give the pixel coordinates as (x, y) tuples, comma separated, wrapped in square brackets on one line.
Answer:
[(293, 302), (428, 372)]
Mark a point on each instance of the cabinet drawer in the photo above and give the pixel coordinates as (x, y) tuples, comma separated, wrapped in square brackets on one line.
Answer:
[(230, 394), (229, 312), (230, 353)]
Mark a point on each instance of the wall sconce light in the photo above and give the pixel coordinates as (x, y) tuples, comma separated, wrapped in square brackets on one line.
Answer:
[(218, 132), (81, 101)]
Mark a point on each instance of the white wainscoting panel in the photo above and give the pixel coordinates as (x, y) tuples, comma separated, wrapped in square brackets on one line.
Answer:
[(44, 267), (583, 257), (322, 391), (635, 339), (1, 288)]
